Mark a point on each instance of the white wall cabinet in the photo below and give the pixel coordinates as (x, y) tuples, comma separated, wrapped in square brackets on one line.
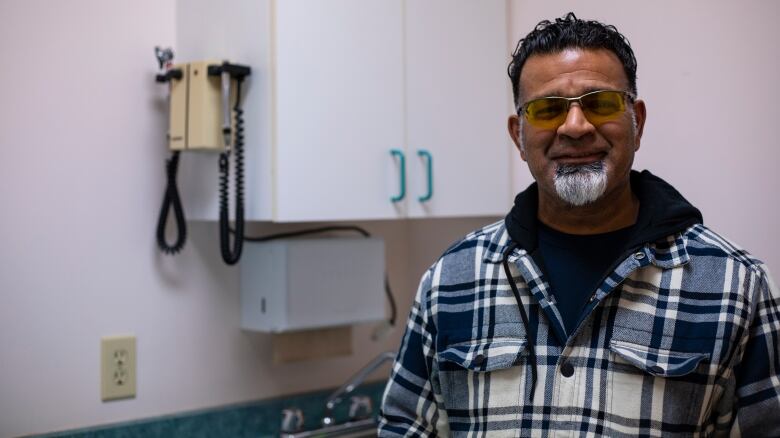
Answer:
[(339, 107), (457, 99), (337, 85)]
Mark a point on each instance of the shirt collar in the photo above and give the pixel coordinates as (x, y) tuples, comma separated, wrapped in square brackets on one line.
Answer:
[(665, 253)]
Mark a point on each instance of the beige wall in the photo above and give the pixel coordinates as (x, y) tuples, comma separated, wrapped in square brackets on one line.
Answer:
[(81, 159)]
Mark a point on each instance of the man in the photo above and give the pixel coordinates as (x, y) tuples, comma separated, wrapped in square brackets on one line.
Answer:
[(601, 305)]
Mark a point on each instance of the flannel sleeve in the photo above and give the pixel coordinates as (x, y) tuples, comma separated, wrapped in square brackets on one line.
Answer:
[(757, 408), (409, 405)]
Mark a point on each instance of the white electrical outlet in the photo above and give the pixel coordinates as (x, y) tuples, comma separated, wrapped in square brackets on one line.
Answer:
[(117, 359)]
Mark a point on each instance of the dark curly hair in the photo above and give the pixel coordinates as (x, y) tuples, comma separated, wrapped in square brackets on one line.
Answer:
[(567, 32)]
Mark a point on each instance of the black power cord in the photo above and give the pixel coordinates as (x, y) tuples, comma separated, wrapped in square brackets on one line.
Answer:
[(307, 232), (231, 255), (171, 199), (318, 230)]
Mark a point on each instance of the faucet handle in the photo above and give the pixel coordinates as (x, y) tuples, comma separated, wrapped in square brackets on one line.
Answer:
[(360, 407), (292, 420)]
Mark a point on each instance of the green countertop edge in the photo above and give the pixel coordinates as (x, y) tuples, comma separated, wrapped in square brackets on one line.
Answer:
[(261, 418)]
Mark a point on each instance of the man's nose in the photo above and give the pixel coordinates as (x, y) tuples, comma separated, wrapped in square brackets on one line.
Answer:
[(576, 124)]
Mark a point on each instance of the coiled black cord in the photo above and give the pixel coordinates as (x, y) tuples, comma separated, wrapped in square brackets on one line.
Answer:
[(171, 199), (231, 255)]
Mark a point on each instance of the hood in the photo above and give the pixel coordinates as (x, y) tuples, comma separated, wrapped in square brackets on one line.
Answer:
[(662, 211)]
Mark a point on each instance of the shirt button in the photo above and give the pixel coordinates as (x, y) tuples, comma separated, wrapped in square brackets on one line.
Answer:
[(567, 369), (479, 359)]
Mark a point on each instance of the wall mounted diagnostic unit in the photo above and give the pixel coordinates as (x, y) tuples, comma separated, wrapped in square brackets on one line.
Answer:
[(201, 119)]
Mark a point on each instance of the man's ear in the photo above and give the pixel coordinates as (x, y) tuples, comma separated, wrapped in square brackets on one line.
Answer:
[(513, 124), (640, 113)]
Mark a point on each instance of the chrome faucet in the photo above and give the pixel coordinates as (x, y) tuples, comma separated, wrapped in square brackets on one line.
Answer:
[(360, 421), (355, 381)]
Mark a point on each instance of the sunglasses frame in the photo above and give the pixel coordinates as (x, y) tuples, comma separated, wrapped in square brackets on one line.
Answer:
[(523, 109)]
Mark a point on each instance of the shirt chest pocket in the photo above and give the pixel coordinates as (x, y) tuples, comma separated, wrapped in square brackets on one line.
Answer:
[(658, 384), (471, 372)]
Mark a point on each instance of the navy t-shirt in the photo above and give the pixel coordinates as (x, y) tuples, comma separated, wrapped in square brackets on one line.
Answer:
[(575, 265)]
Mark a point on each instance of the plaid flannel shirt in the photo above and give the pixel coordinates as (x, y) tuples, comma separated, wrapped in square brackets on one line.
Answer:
[(680, 340)]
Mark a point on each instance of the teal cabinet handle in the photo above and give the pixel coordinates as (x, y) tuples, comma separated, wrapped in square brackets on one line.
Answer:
[(426, 154), (402, 164)]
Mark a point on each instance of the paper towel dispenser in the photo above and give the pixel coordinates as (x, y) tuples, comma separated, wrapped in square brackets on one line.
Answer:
[(298, 284)]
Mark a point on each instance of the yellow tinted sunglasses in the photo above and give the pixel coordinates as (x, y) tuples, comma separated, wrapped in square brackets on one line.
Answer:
[(598, 106)]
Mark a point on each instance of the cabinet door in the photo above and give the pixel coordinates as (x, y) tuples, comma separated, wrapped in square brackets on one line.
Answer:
[(458, 98), (338, 73)]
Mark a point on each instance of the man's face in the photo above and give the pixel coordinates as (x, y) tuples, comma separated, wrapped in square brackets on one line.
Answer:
[(586, 161)]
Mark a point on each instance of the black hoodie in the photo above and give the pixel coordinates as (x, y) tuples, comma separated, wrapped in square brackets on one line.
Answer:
[(662, 211)]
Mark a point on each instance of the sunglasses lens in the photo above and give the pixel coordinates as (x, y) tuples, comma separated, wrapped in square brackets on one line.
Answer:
[(599, 107), (603, 106), (546, 113)]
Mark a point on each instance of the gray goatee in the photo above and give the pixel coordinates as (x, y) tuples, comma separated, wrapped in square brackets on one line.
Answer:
[(579, 185)]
